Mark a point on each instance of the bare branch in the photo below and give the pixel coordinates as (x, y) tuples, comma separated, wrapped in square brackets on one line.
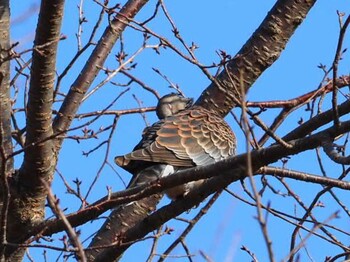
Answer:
[(329, 149), (94, 65), (337, 57), (73, 236)]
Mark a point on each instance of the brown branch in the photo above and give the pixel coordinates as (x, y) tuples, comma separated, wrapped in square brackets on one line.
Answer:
[(95, 62), (5, 98), (334, 155), (188, 229), (291, 219), (5, 198), (304, 206), (260, 51), (108, 141), (316, 122), (230, 170), (6, 163), (80, 51), (308, 212), (121, 219), (340, 82), (346, 256), (73, 236), (117, 112), (39, 112), (290, 256), (138, 81), (249, 172), (221, 173), (157, 236), (337, 57), (28, 203), (302, 176)]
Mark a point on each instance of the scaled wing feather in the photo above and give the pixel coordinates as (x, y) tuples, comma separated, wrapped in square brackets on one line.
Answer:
[(190, 138)]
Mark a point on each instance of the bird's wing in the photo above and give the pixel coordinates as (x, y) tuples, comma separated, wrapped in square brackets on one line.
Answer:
[(191, 138)]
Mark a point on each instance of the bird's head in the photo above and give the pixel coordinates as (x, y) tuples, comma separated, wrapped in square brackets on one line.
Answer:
[(171, 104)]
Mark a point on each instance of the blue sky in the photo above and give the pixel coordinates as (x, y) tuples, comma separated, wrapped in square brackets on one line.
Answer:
[(220, 25)]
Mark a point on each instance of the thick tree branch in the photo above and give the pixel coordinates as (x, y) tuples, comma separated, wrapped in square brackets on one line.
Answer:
[(6, 163), (221, 174), (120, 220), (28, 197), (136, 193), (5, 99), (227, 171), (261, 50), (39, 159)]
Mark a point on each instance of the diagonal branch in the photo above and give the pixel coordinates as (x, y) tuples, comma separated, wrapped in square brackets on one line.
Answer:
[(316, 122), (227, 171), (136, 193), (221, 174), (261, 50), (94, 64)]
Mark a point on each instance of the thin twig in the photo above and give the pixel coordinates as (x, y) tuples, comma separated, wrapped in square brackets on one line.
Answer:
[(337, 57), (74, 238)]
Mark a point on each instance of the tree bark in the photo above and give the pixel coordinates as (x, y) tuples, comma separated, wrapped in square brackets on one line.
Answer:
[(261, 50), (119, 221), (28, 196), (6, 147), (5, 100)]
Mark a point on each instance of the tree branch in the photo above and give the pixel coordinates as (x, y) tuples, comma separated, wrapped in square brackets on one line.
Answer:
[(29, 196), (94, 64), (316, 122), (261, 50), (227, 171), (220, 174), (5, 99), (39, 108), (6, 147)]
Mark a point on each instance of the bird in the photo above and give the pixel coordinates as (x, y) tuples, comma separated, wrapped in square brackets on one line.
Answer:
[(185, 136), (171, 104)]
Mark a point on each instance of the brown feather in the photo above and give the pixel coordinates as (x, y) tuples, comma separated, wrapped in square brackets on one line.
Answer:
[(192, 137)]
